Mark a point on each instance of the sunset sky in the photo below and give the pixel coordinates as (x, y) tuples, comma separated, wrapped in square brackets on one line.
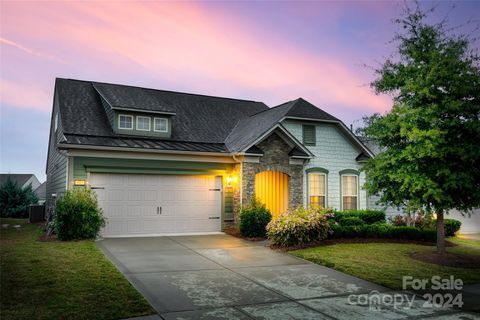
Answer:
[(265, 51)]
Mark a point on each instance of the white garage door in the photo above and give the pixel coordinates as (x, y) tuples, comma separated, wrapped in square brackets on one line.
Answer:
[(136, 204)]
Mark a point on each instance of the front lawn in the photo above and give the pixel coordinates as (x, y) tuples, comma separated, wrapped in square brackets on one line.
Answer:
[(386, 263), (60, 280)]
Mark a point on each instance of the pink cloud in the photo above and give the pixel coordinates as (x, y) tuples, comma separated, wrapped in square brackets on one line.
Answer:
[(190, 45), (24, 95)]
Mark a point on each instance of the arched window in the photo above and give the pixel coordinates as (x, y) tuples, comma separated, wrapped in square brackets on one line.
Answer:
[(349, 187), (317, 187)]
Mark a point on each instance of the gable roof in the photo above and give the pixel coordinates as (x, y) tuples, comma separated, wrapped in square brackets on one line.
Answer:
[(249, 129), (21, 179)]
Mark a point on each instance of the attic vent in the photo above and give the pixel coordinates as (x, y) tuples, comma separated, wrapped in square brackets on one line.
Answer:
[(309, 136)]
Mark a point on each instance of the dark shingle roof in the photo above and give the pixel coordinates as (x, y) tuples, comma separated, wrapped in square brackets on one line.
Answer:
[(21, 179), (296, 152), (249, 129), (199, 123), (198, 118)]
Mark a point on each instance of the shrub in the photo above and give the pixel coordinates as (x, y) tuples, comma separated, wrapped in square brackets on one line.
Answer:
[(383, 230), (299, 226), (451, 227), (77, 215), (254, 219), (367, 216), (351, 221), (14, 200)]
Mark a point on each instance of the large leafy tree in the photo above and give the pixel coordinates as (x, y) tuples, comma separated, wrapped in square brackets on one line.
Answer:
[(430, 140)]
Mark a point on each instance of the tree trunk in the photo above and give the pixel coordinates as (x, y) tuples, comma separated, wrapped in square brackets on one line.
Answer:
[(440, 233)]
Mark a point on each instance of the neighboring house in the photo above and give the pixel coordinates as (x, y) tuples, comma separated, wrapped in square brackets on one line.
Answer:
[(169, 162), (41, 193), (23, 180)]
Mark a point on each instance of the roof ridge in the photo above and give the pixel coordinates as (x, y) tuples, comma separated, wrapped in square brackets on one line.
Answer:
[(280, 105), (170, 91)]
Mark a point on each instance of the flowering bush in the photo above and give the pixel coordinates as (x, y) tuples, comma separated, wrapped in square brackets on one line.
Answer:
[(398, 220), (299, 226)]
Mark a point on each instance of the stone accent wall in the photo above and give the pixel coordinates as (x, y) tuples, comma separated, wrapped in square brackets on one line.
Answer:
[(275, 158)]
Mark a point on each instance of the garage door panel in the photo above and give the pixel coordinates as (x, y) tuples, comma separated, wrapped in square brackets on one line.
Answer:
[(130, 202)]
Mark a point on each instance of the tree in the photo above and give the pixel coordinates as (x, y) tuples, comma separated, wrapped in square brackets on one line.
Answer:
[(430, 154), (14, 200)]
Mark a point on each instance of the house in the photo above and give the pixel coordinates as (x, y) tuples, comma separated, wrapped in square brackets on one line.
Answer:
[(168, 162), (23, 180), (41, 193)]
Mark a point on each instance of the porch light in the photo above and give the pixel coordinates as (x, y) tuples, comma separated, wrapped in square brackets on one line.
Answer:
[(229, 181), (79, 182)]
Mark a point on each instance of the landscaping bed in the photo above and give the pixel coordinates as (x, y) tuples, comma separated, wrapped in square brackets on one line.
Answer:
[(60, 280)]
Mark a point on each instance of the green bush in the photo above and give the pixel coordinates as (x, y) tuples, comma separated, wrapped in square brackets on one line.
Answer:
[(383, 230), (451, 227), (351, 221), (77, 215), (14, 200), (367, 216), (299, 226), (254, 219)]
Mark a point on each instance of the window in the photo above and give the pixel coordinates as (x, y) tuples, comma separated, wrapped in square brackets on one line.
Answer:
[(160, 125), (56, 121), (317, 188), (349, 192), (309, 135), (125, 122), (143, 123)]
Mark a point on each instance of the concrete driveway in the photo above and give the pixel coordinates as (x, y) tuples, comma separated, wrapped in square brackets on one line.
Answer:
[(223, 277)]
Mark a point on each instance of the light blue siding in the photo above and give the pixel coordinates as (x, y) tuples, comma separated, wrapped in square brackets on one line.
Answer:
[(334, 152)]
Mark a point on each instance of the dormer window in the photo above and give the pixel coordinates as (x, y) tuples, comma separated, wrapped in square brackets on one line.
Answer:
[(160, 125), (125, 122), (143, 123)]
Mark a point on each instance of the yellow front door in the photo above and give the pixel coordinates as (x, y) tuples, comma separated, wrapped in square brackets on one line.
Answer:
[(271, 187)]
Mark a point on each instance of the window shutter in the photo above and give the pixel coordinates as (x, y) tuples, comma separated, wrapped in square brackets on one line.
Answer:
[(309, 137)]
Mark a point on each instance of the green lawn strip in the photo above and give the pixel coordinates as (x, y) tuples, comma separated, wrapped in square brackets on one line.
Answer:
[(61, 280), (472, 246), (385, 263)]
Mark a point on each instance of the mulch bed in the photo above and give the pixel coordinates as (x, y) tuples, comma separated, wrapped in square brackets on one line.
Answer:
[(448, 259), (236, 233)]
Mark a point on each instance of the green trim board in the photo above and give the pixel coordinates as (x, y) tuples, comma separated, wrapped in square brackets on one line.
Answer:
[(82, 165), (349, 171), (317, 169)]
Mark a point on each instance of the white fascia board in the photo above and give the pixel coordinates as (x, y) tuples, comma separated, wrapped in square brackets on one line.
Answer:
[(286, 132)]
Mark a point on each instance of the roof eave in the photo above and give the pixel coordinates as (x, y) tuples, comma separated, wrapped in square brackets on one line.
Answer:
[(66, 146)]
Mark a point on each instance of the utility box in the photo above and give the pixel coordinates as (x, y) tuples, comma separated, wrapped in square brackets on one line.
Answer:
[(36, 213)]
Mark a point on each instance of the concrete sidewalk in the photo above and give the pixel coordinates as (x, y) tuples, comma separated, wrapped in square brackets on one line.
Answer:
[(222, 277)]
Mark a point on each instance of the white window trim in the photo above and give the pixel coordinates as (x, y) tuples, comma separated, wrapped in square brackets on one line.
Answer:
[(326, 184), (166, 124), (344, 195), (149, 123), (125, 115), (56, 121)]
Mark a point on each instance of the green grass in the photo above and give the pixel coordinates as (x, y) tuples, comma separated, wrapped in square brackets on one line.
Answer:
[(60, 280), (386, 263)]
